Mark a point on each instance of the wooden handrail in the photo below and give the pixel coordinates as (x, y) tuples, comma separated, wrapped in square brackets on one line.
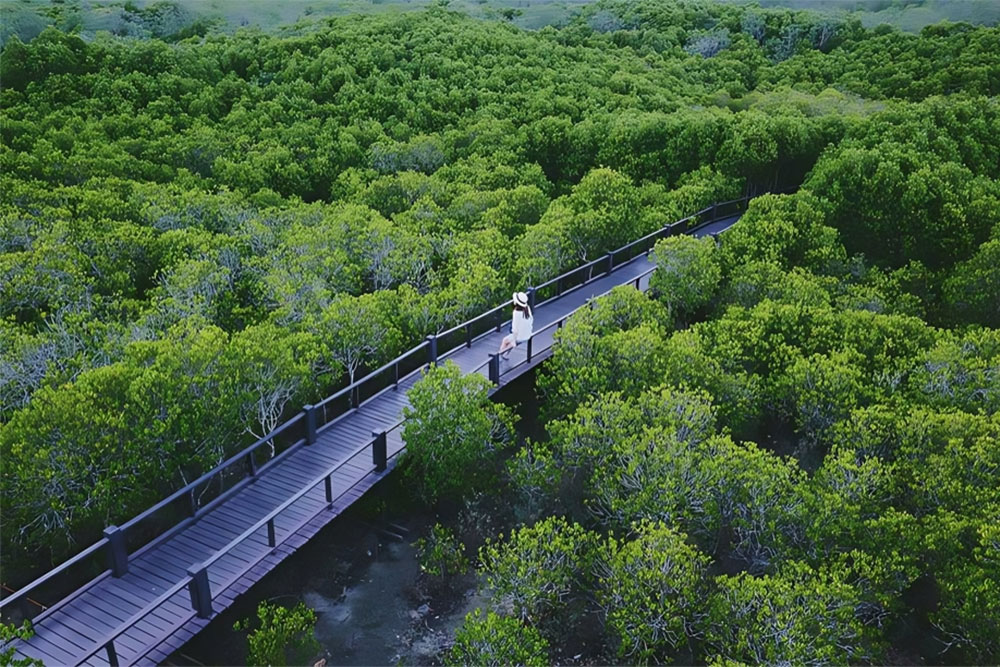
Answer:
[(236, 458)]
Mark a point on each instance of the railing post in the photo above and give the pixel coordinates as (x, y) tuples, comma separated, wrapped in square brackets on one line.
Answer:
[(328, 487), (468, 334), (432, 348), (530, 341), (531, 298), (117, 552), (112, 653), (252, 462), (395, 381), (611, 261), (356, 396), (201, 590), (379, 454), (499, 320), (495, 368), (310, 411), (715, 210), (271, 541)]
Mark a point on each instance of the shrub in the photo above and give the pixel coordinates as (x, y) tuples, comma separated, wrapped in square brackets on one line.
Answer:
[(440, 554), (452, 431), (284, 636), (494, 640)]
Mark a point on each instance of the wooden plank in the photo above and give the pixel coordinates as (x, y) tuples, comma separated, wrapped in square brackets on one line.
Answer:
[(345, 437), (324, 457), (247, 511), (151, 574), (248, 550), (60, 654), (80, 623), (57, 633), (386, 414), (71, 634), (130, 589), (194, 548), (169, 611), (123, 644), (111, 618), (118, 598), (396, 398), (284, 491), (256, 538), (232, 527), (332, 458), (386, 404), (289, 515), (176, 553), (197, 550), (110, 612), (160, 637), (240, 516), (29, 650), (254, 500), (351, 425), (154, 637), (341, 451), (191, 562), (267, 499), (368, 424), (205, 539), (241, 562), (171, 570), (228, 513), (339, 474), (341, 442), (236, 518), (299, 472), (352, 435), (127, 590)]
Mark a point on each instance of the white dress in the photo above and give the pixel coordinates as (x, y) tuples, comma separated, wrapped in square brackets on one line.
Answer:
[(520, 326)]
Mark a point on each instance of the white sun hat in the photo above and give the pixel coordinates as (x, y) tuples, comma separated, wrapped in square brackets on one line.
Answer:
[(520, 299)]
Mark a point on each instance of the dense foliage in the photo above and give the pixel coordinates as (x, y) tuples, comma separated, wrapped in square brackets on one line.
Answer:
[(805, 473), (198, 237)]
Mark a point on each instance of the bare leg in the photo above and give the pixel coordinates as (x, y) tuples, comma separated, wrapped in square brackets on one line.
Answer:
[(506, 344)]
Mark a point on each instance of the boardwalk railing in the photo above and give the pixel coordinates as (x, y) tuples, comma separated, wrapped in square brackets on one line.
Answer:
[(175, 512)]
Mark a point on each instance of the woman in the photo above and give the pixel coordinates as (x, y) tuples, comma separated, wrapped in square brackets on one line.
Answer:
[(520, 325)]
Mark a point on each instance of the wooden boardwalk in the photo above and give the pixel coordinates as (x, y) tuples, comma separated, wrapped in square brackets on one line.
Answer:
[(148, 612)]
